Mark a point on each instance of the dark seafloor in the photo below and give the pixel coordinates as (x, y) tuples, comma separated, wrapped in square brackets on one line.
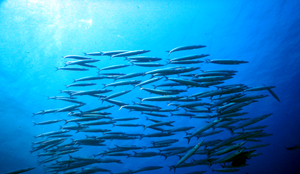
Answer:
[(35, 34)]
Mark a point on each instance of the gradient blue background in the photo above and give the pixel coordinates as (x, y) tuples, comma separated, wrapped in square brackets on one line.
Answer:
[(35, 34)]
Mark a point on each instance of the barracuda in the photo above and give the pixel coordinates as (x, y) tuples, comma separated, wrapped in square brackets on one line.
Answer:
[(181, 48)]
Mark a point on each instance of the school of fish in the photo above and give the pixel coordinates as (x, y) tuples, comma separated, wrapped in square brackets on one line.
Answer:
[(178, 90)]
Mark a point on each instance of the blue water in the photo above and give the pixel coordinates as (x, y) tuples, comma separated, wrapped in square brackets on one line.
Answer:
[(35, 34)]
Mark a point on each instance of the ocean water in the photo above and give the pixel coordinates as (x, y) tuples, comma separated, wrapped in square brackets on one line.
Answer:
[(36, 34)]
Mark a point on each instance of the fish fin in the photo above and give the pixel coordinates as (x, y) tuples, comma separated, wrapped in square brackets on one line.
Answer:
[(57, 68), (33, 123)]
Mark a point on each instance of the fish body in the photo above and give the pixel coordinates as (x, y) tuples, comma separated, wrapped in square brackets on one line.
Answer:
[(160, 134), (260, 88), (119, 103), (161, 98), (80, 84), (227, 149), (94, 54), (149, 81), (226, 61), (47, 122), (116, 95), (69, 108), (114, 67), (155, 115), (189, 154), (125, 119), (181, 48), (71, 69), (159, 124), (111, 53), (187, 82), (122, 83), (147, 64), (90, 92), (131, 75), (52, 133), (251, 121), (79, 62), (159, 92), (211, 79), (229, 157), (180, 129), (88, 78), (128, 125), (148, 168), (143, 59), (191, 57), (130, 53), (75, 57), (139, 108), (203, 128), (98, 123)]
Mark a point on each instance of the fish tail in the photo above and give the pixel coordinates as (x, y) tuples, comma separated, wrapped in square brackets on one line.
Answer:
[(164, 156), (57, 68), (33, 123), (188, 138), (154, 86), (209, 109), (141, 99), (104, 85)]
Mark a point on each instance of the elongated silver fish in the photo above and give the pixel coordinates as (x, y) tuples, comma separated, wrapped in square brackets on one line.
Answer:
[(181, 48), (191, 57), (189, 154), (71, 69), (130, 53), (226, 61), (143, 59), (75, 57)]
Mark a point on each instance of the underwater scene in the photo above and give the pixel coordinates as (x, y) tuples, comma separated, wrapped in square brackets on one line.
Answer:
[(134, 86)]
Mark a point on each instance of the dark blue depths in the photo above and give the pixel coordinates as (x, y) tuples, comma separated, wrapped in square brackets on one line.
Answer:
[(35, 35)]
